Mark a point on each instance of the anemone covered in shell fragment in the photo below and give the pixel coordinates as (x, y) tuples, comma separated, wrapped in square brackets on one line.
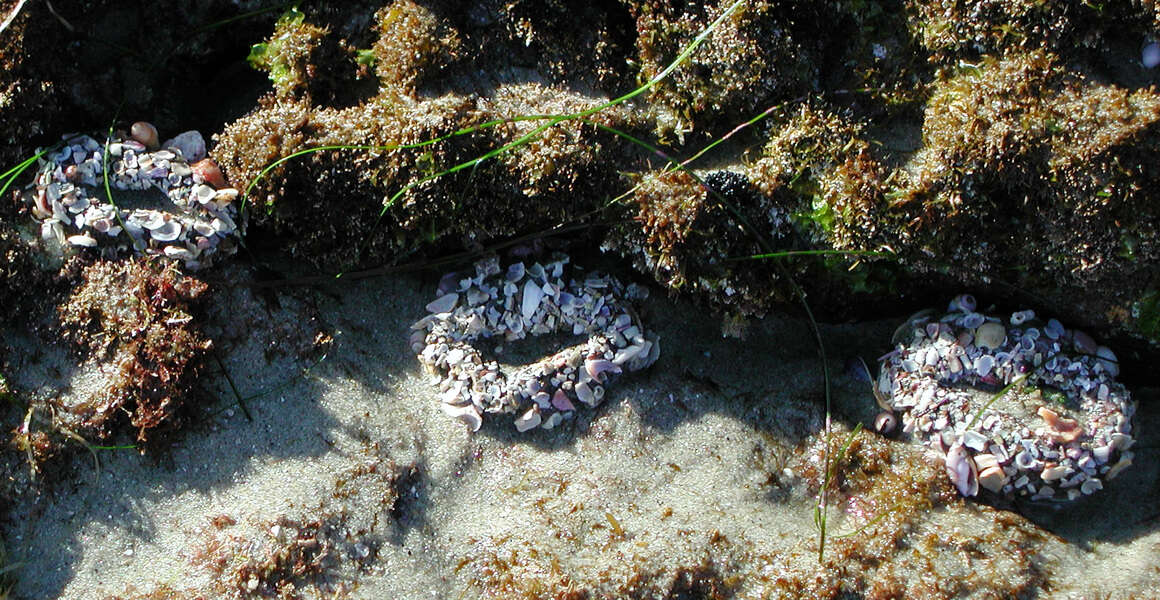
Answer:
[(506, 305), (1016, 406), (170, 200)]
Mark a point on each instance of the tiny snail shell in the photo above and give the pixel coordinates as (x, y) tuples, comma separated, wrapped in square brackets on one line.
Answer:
[(886, 423)]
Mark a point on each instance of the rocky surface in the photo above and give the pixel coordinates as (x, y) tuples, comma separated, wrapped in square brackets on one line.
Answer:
[(874, 158)]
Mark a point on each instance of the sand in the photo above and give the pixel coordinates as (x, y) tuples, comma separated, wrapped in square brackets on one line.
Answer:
[(691, 480)]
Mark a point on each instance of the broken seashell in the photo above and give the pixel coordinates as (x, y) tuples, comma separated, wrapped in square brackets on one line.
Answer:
[(1124, 462), (533, 294), (986, 461), (443, 303), (975, 440), (553, 420), (1054, 473), (1063, 430), (209, 172), (225, 196), (202, 194), (598, 367), (886, 423), (962, 303), (561, 401), (515, 272), (962, 470), (973, 320), (179, 252), (466, 413), (1150, 55), (992, 478), (1084, 344), (84, 240), (190, 143), (1022, 316), (528, 420), (167, 232), (984, 365), (990, 335), (149, 219), (584, 394), (1108, 359)]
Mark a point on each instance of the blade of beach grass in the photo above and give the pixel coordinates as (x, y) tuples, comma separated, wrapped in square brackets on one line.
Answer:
[(12, 15), (743, 224), (11, 175)]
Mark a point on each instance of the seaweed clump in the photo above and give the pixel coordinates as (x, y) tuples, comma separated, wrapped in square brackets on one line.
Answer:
[(282, 562), (135, 318), (752, 59), (954, 30), (686, 227), (414, 45), (913, 542), (387, 191), (1020, 150)]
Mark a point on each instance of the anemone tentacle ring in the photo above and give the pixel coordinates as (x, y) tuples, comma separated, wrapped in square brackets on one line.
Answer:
[(1017, 406), (508, 305)]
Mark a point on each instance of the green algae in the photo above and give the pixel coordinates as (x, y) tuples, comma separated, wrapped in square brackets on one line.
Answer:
[(286, 55)]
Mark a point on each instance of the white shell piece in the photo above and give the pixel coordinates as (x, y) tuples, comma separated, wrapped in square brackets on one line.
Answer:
[(476, 296), (466, 413), (515, 272), (584, 394), (1054, 473), (443, 303), (533, 294), (83, 239), (528, 420), (150, 219), (202, 193), (224, 224), (203, 228), (553, 421), (180, 253), (1150, 55), (992, 478), (190, 143), (168, 232), (962, 471), (1108, 360), (975, 440)]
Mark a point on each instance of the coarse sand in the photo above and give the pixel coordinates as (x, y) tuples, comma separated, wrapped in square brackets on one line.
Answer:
[(694, 479)]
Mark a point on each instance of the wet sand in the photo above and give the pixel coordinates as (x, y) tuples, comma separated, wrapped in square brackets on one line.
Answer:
[(695, 478)]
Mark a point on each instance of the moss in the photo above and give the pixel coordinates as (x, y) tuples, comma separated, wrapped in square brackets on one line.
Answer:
[(821, 164), (135, 317), (1146, 312), (684, 231)]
